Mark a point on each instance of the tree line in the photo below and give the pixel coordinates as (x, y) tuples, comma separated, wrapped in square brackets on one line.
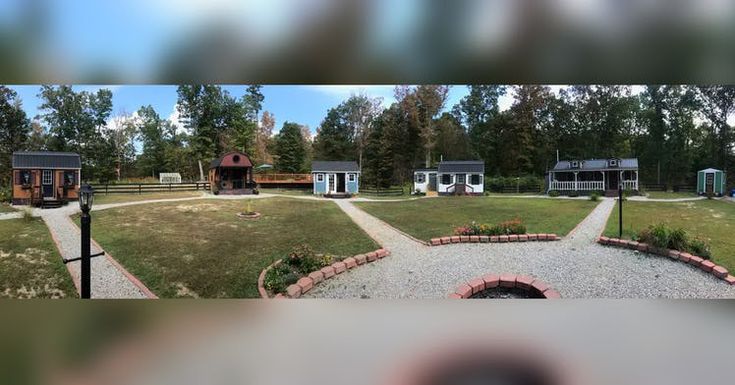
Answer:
[(674, 130)]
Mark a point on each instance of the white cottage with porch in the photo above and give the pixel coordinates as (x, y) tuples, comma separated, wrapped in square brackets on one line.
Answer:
[(452, 177), (594, 175)]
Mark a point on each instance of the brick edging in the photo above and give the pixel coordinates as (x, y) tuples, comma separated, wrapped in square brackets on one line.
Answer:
[(307, 282), (493, 239), (703, 264), (490, 281)]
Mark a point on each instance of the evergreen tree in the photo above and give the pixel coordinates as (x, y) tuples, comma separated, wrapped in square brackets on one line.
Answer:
[(290, 149), (335, 138)]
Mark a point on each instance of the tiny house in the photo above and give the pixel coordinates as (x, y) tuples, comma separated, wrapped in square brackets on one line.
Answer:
[(711, 181), (45, 178), (461, 177), (232, 173), (335, 178)]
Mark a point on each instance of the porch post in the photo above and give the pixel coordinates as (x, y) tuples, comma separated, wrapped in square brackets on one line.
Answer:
[(621, 179), (603, 180), (575, 181), (636, 180)]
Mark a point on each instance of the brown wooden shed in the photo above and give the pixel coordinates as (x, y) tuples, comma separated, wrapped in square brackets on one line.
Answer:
[(45, 178), (232, 173)]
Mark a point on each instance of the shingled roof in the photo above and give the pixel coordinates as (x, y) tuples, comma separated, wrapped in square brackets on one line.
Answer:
[(46, 159), (336, 166), (597, 165), (473, 166)]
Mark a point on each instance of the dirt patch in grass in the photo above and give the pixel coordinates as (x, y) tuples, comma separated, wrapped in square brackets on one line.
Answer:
[(202, 249), (428, 218), (711, 220), (30, 265)]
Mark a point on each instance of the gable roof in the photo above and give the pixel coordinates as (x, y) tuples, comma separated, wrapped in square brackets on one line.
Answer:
[(710, 170), (46, 159), (597, 165), (449, 166), (339, 166)]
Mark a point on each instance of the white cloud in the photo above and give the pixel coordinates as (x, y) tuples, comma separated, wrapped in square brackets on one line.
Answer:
[(175, 119)]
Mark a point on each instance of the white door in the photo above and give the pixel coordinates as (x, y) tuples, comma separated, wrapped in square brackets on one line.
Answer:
[(331, 186)]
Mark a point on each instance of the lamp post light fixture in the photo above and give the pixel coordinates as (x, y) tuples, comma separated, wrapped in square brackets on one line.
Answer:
[(620, 210), (86, 199)]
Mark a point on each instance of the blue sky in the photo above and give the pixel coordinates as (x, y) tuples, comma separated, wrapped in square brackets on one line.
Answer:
[(303, 104)]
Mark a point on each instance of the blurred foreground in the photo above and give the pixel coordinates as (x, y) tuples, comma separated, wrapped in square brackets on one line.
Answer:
[(340, 342)]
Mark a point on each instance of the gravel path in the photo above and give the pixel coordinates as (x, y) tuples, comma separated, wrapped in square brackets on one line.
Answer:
[(577, 267), (107, 279)]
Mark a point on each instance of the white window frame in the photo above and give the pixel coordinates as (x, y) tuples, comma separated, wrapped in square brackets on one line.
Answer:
[(464, 178), (351, 177), (441, 179), (50, 179), (420, 177), (574, 164), (320, 177), (479, 178)]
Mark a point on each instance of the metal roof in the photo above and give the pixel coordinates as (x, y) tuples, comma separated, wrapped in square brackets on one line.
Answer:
[(450, 166), (710, 170), (339, 166), (46, 159), (597, 165)]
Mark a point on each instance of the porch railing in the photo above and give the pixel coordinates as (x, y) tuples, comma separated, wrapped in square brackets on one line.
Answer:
[(577, 186), (588, 185)]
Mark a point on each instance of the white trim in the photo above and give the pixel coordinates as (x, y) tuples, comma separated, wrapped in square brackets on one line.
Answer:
[(319, 176), (335, 172)]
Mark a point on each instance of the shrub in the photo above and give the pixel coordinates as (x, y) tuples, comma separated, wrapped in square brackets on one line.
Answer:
[(280, 277), (699, 247), (662, 236), (304, 260), (573, 194), (554, 193), (595, 196), (514, 226), (6, 194)]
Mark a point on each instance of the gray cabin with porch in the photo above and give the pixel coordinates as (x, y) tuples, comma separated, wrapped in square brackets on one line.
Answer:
[(583, 176)]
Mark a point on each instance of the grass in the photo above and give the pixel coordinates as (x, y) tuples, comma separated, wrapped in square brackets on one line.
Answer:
[(30, 264), (201, 249), (121, 198), (428, 218), (287, 191), (6, 208), (712, 220), (670, 195)]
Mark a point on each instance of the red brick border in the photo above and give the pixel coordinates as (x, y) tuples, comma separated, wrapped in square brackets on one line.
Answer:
[(256, 215), (307, 282), (490, 281), (440, 241), (703, 264)]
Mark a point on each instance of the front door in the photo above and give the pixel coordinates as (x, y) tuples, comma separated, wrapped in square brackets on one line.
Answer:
[(330, 188), (461, 178), (709, 183), (47, 182), (432, 182), (341, 183)]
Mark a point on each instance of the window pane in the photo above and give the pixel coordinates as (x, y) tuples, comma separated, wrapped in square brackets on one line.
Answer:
[(446, 179)]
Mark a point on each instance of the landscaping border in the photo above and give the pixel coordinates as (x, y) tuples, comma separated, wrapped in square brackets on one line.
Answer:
[(703, 264), (307, 282), (493, 238), (490, 281)]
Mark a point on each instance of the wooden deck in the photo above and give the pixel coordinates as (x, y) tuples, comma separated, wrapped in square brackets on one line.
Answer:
[(282, 178)]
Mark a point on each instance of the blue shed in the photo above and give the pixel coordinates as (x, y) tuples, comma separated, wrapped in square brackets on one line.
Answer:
[(335, 177)]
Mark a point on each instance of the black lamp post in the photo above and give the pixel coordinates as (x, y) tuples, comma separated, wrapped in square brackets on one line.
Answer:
[(86, 198), (620, 210)]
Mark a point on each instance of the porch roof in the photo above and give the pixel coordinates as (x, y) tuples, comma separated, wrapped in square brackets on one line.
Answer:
[(596, 165)]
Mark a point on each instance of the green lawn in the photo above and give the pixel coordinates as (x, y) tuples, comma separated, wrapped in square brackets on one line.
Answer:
[(428, 218), (670, 195), (709, 219), (5, 208), (200, 248), (30, 264), (101, 198), (287, 191)]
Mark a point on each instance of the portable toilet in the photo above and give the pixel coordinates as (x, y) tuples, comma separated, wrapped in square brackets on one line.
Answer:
[(711, 181)]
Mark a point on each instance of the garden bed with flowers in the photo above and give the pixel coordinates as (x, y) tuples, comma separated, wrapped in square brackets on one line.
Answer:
[(507, 231)]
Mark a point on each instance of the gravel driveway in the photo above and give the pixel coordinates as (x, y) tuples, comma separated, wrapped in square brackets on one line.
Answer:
[(577, 267)]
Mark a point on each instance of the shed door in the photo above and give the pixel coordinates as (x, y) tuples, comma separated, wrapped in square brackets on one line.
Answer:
[(709, 182), (330, 185), (432, 182), (47, 181)]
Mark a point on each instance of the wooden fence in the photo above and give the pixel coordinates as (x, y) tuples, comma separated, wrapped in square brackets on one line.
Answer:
[(514, 189), (392, 191), (654, 187), (685, 188), (140, 188)]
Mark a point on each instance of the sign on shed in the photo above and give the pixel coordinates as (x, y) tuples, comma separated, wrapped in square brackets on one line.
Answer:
[(169, 177)]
